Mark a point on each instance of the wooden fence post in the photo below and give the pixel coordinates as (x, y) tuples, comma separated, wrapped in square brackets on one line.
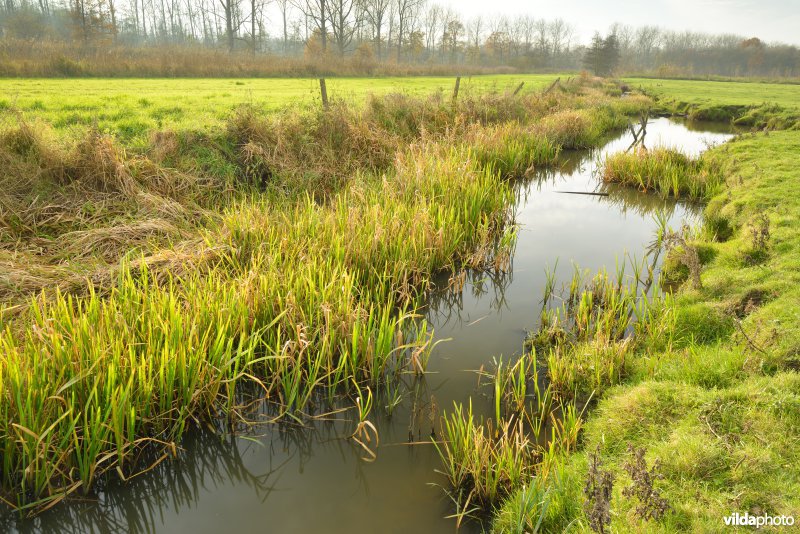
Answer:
[(323, 89), (455, 89)]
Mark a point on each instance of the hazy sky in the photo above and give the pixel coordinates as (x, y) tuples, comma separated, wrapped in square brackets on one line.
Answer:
[(770, 20)]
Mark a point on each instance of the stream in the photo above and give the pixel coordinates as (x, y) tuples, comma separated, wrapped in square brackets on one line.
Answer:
[(281, 478)]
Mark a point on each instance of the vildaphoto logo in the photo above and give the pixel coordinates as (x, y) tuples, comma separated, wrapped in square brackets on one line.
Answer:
[(746, 520)]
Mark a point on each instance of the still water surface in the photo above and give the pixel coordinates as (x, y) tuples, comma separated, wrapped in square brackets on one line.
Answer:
[(283, 479)]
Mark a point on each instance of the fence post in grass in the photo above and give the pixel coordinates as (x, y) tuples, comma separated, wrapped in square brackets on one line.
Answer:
[(553, 85), (455, 89), (518, 89), (323, 90)]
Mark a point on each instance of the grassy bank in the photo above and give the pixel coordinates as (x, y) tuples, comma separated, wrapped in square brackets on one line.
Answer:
[(143, 284), (749, 104), (697, 411)]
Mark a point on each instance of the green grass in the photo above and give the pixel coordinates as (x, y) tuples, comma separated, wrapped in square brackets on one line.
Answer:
[(664, 170), (133, 108), (721, 92), (747, 103), (717, 404)]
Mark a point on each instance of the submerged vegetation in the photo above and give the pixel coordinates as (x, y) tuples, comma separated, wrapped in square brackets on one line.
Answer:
[(144, 288)]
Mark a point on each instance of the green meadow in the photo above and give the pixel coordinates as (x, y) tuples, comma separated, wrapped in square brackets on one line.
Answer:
[(131, 108), (748, 104), (739, 93)]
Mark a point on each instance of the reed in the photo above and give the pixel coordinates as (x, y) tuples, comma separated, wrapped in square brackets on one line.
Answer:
[(94, 377), (483, 464), (510, 149), (666, 171), (586, 339)]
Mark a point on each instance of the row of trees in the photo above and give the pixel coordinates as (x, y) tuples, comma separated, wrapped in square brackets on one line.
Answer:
[(403, 30), (388, 30)]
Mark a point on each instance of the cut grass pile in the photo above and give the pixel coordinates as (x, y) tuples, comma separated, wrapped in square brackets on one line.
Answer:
[(284, 252)]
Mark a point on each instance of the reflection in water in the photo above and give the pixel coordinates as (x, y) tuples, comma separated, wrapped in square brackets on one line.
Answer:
[(294, 479), (446, 305)]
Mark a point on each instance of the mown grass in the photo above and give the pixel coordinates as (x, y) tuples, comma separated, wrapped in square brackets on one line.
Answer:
[(713, 394), (288, 252)]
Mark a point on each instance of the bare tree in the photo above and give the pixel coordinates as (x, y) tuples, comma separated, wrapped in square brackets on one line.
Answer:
[(283, 7), (455, 29), (229, 11), (112, 11), (558, 35), (646, 40), (317, 11), (406, 11), (377, 13), (256, 16), (542, 39), (342, 25), (474, 35), (430, 24)]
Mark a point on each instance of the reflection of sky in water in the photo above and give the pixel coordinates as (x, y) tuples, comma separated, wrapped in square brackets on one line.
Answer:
[(303, 481)]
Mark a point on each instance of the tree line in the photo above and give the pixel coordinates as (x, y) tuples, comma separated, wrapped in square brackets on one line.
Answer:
[(388, 31)]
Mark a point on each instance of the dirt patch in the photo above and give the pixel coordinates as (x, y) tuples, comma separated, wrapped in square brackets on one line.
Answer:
[(748, 303)]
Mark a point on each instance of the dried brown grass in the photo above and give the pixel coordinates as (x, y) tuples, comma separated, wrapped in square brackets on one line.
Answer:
[(53, 58)]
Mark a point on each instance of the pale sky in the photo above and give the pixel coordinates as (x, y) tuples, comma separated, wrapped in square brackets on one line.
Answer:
[(769, 20)]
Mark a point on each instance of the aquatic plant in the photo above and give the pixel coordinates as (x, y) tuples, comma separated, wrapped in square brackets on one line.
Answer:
[(482, 463), (664, 170)]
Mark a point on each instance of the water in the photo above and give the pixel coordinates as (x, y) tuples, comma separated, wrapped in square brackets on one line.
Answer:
[(280, 478)]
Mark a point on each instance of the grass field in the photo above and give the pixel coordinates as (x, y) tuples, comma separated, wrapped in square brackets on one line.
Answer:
[(129, 108), (724, 93), (756, 105)]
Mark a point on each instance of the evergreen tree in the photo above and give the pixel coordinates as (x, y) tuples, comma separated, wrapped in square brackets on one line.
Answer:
[(593, 56), (602, 56), (610, 54)]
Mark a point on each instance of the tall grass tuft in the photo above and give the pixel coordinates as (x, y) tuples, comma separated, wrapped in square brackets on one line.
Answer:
[(585, 340), (510, 149), (666, 171), (483, 464)]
